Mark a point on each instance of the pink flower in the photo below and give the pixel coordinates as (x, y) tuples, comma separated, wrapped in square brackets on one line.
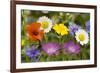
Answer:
[(71, 47), (51, 48)]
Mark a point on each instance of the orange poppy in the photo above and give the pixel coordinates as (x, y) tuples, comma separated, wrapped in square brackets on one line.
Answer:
[(34, 32)]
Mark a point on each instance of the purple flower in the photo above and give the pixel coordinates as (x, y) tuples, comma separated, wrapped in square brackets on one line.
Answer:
[(73, 28), (51, 48), (71, 47), (32, 52), (88, 26)]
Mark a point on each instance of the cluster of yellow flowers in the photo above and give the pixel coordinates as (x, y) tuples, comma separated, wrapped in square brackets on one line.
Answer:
[(61, 29)]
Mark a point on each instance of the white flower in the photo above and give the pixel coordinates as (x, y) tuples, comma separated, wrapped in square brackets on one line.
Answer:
[(46, 23), (82, 36)]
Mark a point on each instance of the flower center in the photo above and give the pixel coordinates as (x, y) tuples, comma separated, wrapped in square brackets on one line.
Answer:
[(50, 50), (35, 33), (44, 24), (72, 49), (81, 37)]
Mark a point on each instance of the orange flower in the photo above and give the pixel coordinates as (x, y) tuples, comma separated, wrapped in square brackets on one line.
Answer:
[(34, 32)]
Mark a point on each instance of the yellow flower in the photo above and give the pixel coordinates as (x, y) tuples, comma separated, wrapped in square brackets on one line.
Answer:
[(61, 29), (22, 42)]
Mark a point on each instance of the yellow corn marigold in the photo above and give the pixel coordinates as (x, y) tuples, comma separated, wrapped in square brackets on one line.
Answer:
[(61, 29)]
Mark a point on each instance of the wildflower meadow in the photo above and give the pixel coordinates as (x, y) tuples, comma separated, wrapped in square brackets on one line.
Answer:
[(54, 36)]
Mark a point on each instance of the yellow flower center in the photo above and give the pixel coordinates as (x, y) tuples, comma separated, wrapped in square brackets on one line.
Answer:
[(81, 37), (45, 24)]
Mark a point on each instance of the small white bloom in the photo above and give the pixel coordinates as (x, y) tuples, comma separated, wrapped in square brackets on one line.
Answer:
[(46, 23), (82, 36)]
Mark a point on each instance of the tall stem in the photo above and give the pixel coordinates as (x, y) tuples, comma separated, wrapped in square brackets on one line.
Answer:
[(60, 40)]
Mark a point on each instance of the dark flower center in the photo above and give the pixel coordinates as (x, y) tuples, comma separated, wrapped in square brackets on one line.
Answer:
[(35, 33)]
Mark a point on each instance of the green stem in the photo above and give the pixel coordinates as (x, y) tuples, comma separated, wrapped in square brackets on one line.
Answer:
[(46, 38), (60, 39)]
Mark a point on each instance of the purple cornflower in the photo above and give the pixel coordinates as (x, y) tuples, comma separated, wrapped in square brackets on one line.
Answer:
[(73, 28), (32, 52), (51, 48), (71, 47), (88, 26)]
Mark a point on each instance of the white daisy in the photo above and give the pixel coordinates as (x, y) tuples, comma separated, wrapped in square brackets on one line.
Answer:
[(46, 23), (82, 36)]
